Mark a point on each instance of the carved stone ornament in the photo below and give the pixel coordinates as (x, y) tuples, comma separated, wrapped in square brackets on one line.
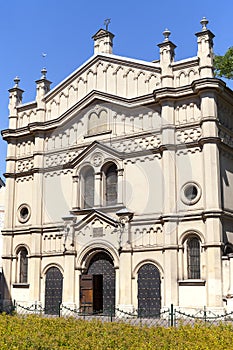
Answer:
[(97, 159)]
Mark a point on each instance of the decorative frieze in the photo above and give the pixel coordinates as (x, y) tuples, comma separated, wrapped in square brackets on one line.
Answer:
[(25, 165), (58, 172), (147, 236), (55, 159), (142, 143), (53, 243), (143, 159), (188, 135), (187, 113), (24, 178), (185, 151)]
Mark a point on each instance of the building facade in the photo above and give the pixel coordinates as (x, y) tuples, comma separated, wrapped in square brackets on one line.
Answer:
[(119, 185)]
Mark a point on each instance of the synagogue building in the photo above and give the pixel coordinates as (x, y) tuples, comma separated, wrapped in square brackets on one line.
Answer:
[(119, 185)]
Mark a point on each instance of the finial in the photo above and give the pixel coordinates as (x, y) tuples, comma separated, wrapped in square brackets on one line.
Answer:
[(16, 81), (166, 35), (204, 23), (43, 72), (106, 23)]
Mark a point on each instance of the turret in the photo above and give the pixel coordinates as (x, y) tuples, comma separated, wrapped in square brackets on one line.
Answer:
[(205, 50), (103, 41), (167, 54), (15, 99), (43, 86)]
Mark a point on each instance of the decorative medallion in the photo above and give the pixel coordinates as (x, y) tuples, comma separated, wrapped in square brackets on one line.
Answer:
[(97, 159)]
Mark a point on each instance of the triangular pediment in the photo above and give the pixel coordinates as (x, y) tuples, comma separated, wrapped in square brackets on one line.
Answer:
[(96, 219), (95, 154)]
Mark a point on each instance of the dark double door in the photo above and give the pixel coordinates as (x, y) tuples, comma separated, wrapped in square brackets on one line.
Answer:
[(53, 291), (97, 287), (149, 291)]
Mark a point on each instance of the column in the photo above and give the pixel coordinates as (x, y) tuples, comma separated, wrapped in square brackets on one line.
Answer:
[(120, 184), (98, 199), (76, 193)]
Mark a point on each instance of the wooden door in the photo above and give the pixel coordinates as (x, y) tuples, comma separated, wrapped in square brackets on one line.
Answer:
[(86, 293), (91, 293)]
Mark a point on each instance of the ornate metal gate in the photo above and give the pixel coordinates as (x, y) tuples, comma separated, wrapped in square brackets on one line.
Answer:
[(149, 291), (102, 265), (53, 290)]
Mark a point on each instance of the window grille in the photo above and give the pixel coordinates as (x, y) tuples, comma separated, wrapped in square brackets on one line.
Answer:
[(111, 185), (23, 266), (89, 188), (193, 252)]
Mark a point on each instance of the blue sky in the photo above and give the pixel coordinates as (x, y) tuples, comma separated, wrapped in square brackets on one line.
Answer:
[(63, 29)]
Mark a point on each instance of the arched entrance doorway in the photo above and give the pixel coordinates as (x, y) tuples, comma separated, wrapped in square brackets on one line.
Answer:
[(53, 290), (149, 291), (97, 286)]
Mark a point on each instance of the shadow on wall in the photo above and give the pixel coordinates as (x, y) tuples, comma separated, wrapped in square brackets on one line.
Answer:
[(6, 303)]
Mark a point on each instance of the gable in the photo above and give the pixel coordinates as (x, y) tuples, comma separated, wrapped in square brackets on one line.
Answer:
[(108, 74), (96, 155), (96, 219)]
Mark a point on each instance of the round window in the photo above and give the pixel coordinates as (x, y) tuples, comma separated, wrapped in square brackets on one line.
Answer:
[(190, 193), (23, 213)]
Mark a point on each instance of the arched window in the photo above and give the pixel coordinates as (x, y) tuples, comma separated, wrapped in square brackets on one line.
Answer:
[(111, 184), (23, 265), (97, 123), (193, 256), (88, 188)]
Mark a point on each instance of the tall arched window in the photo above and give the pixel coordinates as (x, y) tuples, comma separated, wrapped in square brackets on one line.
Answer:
[(88, 188), (23, 265), (111, 184), (193, 255)]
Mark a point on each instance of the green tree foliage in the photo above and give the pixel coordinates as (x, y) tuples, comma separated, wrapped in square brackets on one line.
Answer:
[(224, 64)]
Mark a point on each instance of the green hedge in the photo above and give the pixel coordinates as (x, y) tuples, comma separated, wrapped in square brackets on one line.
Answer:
[(59, 333)]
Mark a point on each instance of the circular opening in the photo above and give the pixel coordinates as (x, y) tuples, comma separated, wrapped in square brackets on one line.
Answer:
[(23, 213), (190, 193)]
